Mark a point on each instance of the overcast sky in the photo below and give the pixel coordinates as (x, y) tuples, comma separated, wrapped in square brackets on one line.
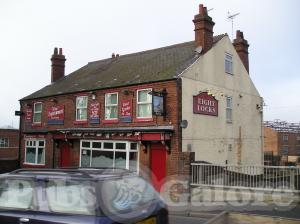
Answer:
[(92, 30)]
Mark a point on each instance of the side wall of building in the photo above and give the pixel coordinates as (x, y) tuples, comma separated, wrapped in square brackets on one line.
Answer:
[(271, 141), (212, 138), (10, 152)]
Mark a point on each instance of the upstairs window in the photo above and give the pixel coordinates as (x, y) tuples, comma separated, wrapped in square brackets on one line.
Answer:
[(229, 109), (285, 150), (111, 106), (144, 103), (37, 112), (3, 142), (228, 63), (285, 138), (298, 150), (81, 108)]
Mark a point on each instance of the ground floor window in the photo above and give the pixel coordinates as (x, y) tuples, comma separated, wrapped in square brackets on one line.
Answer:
[(117, 154), (35, 151)]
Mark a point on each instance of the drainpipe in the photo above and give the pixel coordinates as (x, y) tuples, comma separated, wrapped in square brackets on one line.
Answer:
[(20, 140)]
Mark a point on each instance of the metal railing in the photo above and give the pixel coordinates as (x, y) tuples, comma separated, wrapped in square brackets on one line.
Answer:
[(254, 177)]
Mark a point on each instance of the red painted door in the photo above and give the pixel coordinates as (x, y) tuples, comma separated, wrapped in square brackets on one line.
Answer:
[(158, 164), (65, 154)]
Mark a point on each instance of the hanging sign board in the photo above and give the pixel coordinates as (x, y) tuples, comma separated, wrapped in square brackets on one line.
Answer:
[(158, 105), (205, 104), (94, 113)]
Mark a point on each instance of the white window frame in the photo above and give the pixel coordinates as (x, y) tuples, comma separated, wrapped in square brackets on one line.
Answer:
[(111, 105), (228, 108), (284, 147), (37, 112), (80, 108), (4, 142), (141, 103), (228, 60), (27, 144), (114, 150), (285, 138)]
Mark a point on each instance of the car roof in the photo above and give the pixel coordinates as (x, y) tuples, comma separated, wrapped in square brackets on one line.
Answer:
[(73, 173)]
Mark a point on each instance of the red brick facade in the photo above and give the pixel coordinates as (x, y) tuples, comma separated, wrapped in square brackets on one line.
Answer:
[(177, 162), (10, 152)]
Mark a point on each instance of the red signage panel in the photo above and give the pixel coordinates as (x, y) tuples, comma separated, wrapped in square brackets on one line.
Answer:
[(28, 115), (205, 104), (94, 113), (126, 111), (56, 114)]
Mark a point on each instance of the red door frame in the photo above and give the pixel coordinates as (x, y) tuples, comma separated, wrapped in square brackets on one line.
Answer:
[(65, 155), (158, 157)]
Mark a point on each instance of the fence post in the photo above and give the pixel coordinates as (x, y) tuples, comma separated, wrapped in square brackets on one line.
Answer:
[(292, 179)]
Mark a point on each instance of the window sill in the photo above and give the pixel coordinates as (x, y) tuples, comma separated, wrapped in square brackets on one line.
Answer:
[(30, 165), (36, 124), (149, 119), (229, 122), (229, 73), (113, 121), (80, 122)]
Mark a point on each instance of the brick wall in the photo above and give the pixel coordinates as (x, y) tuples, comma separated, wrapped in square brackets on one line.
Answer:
[(173, 117), (270, 141), (11, 151), (292, 143)]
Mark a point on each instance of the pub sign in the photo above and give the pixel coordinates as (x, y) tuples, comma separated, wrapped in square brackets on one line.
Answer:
[(56, 115), (205, 104), (126, 111), (94, 113)]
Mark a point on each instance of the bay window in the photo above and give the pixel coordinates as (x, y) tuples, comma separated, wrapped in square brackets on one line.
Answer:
[(35, 151), (81, 108), (111, 106), (109, 154), (144, 103)]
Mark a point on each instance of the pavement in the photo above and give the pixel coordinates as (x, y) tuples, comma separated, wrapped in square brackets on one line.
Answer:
[(201, 214)]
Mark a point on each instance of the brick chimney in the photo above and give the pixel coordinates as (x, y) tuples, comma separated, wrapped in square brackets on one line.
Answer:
[(203, 29), (58, 65), (241, 46)]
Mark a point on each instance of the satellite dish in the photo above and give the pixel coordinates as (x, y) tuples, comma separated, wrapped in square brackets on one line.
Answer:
[(198, 49), (184, 123)]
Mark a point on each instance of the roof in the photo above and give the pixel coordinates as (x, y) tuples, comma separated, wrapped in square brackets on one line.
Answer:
[(143, 67)]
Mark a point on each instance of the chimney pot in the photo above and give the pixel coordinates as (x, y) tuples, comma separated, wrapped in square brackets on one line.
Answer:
[(55, 51), (113, 55), (60, 51), (201, 9), (117, 55)]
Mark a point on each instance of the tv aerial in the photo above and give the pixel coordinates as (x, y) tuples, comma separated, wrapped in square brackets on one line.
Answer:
[(231, 17)]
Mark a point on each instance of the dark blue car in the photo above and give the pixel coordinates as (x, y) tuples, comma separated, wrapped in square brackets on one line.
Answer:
[(78, 196)]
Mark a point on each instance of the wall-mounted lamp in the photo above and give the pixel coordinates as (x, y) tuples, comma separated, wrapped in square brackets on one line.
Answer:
[(127, 92), (53, 100), (93, 95)]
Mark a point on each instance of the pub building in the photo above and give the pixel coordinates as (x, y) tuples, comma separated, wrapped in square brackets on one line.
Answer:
[(158, 109)]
